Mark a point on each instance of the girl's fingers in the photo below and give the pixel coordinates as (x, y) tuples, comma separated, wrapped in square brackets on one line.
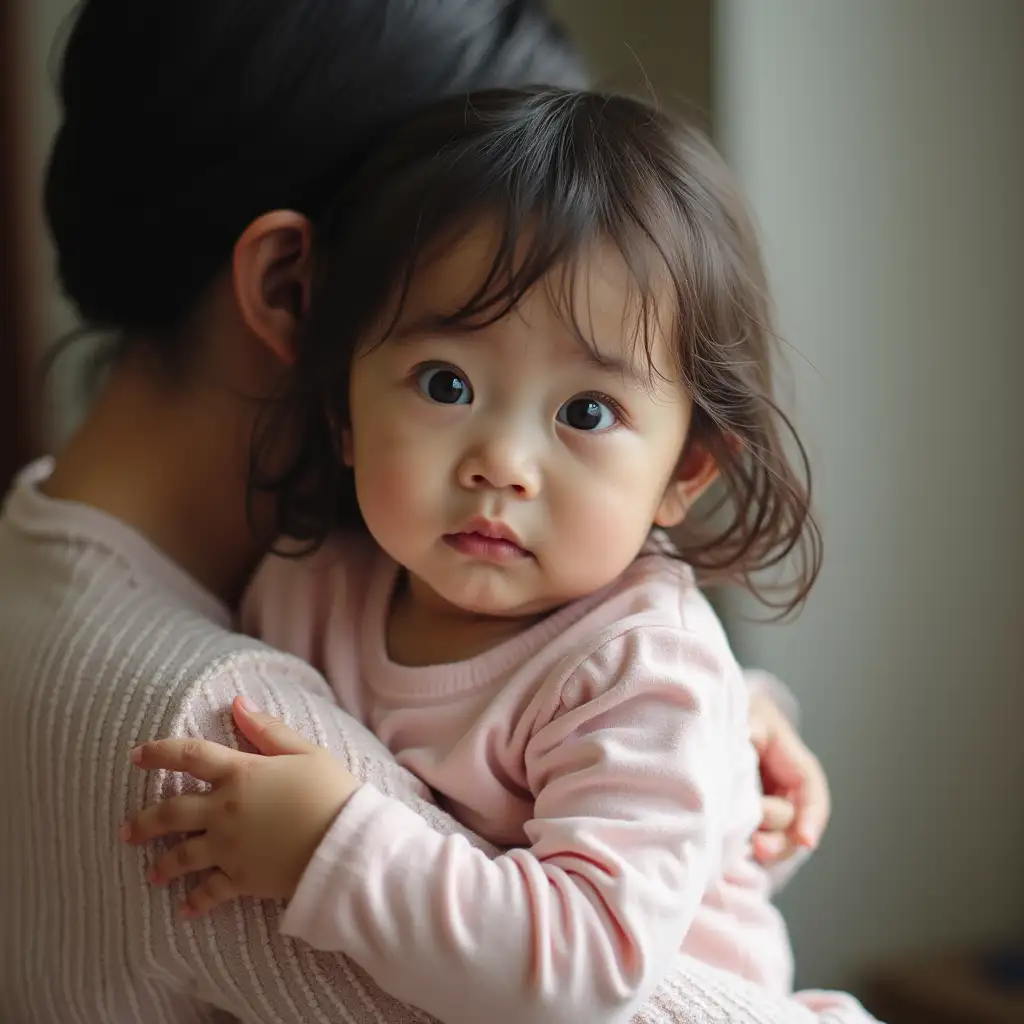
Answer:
[(215, 889), (770, 847), (188, 857), (210, 762), (267, 733), (189, 813), (788, 765), (814, 805), (777, 814)]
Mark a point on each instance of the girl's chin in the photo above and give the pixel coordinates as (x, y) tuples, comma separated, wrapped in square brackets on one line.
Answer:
[(468, 598)]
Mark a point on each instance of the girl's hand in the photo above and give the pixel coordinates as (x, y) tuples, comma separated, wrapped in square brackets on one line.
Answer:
[(260, 823), (796, 803)]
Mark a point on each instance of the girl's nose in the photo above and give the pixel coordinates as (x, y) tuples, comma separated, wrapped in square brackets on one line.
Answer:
[(501, 464)]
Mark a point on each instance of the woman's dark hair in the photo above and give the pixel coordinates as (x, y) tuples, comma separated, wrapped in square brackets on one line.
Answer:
[(556, 171), (184, 120)]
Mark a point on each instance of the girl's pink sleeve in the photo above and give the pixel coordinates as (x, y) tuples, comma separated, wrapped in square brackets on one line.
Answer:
[(632, 783)]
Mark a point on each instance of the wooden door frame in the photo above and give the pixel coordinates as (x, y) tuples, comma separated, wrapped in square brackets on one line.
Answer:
[(18, 426)]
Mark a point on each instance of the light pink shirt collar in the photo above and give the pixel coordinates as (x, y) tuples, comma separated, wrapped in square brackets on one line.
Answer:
[(443, 681)]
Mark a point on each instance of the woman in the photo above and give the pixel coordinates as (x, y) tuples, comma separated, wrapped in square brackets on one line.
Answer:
[(199, 138)]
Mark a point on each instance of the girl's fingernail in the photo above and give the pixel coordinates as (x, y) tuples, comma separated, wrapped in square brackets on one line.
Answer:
[(247, 705), (124, 833), (136, 755)]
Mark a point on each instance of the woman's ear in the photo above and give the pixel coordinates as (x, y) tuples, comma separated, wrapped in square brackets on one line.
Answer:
[(272, 271), (697, 472)]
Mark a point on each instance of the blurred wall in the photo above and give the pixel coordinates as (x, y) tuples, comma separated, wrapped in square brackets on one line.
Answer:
[(881, 145)]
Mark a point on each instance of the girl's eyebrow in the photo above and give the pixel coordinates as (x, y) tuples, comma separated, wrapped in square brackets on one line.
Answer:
[(611, 364), (615, 365)]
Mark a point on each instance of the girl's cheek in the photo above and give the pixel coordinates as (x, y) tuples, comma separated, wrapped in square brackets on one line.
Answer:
[(388, 499)]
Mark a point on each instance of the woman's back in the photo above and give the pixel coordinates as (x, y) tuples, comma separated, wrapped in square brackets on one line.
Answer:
[(91, 656)]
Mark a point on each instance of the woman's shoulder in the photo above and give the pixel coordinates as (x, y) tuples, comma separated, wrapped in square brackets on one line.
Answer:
[(98, 624), (98, 656)]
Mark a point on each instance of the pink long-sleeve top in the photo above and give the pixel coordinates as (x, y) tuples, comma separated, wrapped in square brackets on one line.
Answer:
[(607, 747)]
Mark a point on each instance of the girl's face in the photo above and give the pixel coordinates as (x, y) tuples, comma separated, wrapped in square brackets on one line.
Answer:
[(509, 469)]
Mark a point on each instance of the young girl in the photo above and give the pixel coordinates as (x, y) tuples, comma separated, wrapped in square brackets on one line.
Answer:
[(538, 331)]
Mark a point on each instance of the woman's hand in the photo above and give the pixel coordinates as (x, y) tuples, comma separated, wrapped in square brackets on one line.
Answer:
[(796, 802), (260, 823)]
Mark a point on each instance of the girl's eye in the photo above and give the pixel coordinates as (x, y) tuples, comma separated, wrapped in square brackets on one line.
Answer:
[(587, 413), (445, 386)]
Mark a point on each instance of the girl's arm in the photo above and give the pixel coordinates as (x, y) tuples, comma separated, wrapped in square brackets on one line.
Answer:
[(292, 605), (237, 959), (632, 781)]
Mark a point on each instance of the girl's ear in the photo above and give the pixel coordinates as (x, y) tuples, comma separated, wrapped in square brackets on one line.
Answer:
[(271, 272), (697, 472)]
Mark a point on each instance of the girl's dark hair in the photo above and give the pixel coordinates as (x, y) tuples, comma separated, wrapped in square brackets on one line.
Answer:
[(558, 170), (184, 120)]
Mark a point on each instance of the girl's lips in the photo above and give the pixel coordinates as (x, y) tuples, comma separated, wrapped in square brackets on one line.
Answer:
[(498, 550), (491, 529)]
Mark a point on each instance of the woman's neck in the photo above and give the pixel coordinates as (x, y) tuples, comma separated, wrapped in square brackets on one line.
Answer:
[(168, 462)]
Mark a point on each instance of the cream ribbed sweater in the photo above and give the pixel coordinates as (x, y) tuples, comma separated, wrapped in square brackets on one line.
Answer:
[(104, 644)]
